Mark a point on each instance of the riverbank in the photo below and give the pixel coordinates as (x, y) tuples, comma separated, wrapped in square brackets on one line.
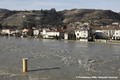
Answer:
[(83, 41), (108, 41)]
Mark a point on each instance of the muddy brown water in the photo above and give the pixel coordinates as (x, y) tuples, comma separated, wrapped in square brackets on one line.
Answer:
[(58, 60)]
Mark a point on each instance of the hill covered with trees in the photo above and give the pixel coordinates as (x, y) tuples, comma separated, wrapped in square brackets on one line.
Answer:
[(53, 18)]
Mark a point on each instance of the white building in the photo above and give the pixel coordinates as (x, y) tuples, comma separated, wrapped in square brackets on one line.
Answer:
[(116, 34), (49, 34), (107, 33), (81, 34), (36, 32), (6, 31), (66, 36), (10, 31)]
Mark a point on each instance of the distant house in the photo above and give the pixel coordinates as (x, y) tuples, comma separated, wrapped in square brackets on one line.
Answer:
[(105, 33), (6, 31), (26, 32), (81, 34), (116, 35), (11, 32), (108, 32), (46, 33), (36, 32)]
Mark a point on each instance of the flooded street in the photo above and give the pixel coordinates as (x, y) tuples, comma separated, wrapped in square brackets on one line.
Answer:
[(58, 60)]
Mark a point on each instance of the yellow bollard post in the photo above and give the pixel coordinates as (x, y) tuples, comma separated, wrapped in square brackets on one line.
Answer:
[(25, 64)]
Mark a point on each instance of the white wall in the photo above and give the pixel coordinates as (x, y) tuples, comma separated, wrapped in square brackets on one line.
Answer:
[(49, 34), (117, 34), (36, 32), (65, 36), (6, 31), (81, 34)]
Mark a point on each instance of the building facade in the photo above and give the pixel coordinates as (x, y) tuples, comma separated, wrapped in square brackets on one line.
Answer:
[(49, 34), (6, 31), (36, 32), (116, 35), (81, 34)]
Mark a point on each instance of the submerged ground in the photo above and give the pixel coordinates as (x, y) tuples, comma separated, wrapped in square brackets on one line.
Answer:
[(58, 60)]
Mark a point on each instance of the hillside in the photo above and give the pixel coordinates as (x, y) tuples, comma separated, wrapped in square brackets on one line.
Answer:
[(22, 19), (2, 9), (5, 14), (44, 18), (91, 16)]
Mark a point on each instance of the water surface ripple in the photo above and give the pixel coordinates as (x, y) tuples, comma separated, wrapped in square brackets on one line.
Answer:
[(57, 60)]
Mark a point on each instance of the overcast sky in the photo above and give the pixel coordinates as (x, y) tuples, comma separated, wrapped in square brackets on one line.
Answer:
[(60, 4)]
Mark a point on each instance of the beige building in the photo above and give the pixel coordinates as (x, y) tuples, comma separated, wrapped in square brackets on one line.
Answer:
[(26, 32)]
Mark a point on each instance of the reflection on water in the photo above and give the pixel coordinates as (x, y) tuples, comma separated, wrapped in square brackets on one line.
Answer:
[(62, 60)]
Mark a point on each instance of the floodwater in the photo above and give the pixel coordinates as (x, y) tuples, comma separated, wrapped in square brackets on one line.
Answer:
[(58, 60)]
